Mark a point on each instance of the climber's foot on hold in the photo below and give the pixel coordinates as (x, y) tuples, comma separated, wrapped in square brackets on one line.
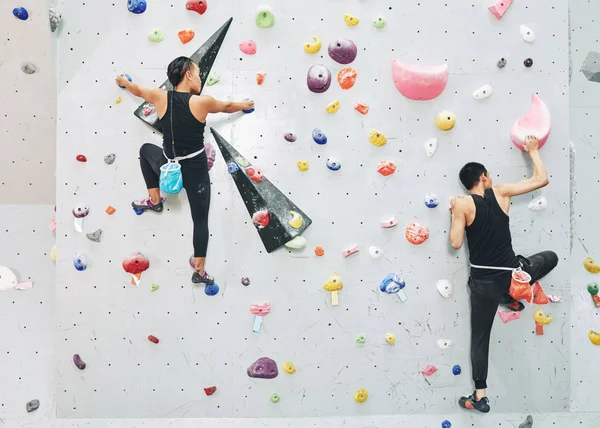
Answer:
[(147, 204), (516, 306), (202, 278), (471, 403)]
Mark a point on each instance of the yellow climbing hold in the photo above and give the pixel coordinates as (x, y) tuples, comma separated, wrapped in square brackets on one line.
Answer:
[(119, 100), (594, 337), (302, 165), (296, 221), (289, 368), (390, 338), (361, 396), (313, 48), (333, 107), (590, 265), (445, 120), (540, 318), (53, 253), (351, 20), (334, 283), (377, 138)]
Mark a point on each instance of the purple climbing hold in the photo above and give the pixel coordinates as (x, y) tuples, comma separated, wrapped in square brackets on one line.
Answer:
[(528, 62), (289, 137), (342, 51), (245, 281), (318, 78), (78, 362), (263, 368), (21, 13)]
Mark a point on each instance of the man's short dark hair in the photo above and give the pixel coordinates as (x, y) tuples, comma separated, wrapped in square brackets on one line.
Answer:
[(471, 173)]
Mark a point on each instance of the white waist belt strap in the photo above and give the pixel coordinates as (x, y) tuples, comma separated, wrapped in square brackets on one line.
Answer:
[(493, 267), (179, 158)]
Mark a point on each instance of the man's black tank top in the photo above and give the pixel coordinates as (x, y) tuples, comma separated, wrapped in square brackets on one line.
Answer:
[(189, 132), (490, 243)]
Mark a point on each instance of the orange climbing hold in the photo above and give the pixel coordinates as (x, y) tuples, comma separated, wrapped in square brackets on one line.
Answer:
[(260, 78), (362, 108), (386, 168), (416, 233), (319, 251), (347, 77), (110, 210), (186, 35)]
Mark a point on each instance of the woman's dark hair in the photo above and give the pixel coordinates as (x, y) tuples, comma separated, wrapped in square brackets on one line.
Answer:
[(470, 174), (177, 69)]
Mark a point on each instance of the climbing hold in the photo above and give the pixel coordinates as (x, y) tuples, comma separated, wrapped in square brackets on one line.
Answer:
[(110, 210), (386, 168), (302, 165), (444, 344), (128, 78), (318, 78), (213, 79), (248, 47), (527, 33), (342, 51), (334, 283), (250, 110), (275, 398), (289, 137), (540, 321), (79, 362), (261, 218), (148, 110), (186, 35), (265, 18), (138, 212), (313, 48), (392, 283), (416, 233), (351, 20), (154, 287), (361, 339), (81, 158), (210, 289), (528, 423), (232, 167), (28, 68), (94, 236), (528, 62), (53, 252), (594, 337), (499, 8), (52, 225), (296, 221), (245, 281), (297, 243), (590, 265), (391, 222), (135, 264), (21, 13), (431, 200), (591, 67), (153, 339), (379, 22), (210, 390), (537, 122), (118, 100), (538, 204), (8, 279), (361, 396), (319, 251), (80, 262), (333, 107), (456, 370), (289, 367), (262, 309), (260, 78), (444, 287), (430, 147), (375, 252), (348, 252), (199, 6), (508, 316), (429, 370), (319, 136), (55, 17), (109, 158), (347, 77), (501, 63), (254, 174), (593, 288), (333, 164), (263, 368), (136, 6), (418, 82), (32, 405), (157, 35), (446, 424), (377, 138), (390, 338), (445, 120), (483, 92), (362, 108)]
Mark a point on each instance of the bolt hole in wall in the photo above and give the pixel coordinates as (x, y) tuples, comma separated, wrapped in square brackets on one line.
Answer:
[(346, 205)]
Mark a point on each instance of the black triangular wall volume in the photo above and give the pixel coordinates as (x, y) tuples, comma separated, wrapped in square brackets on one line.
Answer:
[(205, 57), (263, 196)]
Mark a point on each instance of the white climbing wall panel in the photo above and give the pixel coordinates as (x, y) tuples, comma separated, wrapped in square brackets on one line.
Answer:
[(208, 341)]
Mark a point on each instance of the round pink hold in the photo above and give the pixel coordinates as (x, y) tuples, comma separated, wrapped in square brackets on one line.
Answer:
[(248, 47)]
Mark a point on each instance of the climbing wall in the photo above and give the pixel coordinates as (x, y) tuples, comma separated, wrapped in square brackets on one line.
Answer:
[(209, 340)]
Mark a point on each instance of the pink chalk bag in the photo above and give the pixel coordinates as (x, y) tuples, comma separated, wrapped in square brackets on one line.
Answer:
[(171, 179)]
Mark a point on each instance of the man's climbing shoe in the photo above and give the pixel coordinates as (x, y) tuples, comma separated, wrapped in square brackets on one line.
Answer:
[(516, 306), (147, 204), (204, 278), (470, 403)]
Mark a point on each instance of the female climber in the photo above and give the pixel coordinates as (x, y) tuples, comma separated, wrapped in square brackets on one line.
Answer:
[(182, 114)]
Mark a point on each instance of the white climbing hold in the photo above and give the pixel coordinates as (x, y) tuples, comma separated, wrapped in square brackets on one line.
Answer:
[(28, 68), (55, 17), (444, 343), (483, 92), (375, 252), (444, 287), (297, 243), (538, 204), (430, 146), (527, 34), (8, 279)]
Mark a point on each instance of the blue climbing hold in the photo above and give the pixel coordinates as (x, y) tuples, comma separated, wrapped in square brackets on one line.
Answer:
[(319, 136), (211, 289), (446, 424), (431, 200), (392, 283), (249, 110), (138, 212), (456, 370), (136, 6), (21, 13), (232, 167), (333, 164), (128, 78), (79, 262)]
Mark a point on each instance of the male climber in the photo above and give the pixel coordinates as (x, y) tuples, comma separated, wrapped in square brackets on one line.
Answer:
[(484, 216)]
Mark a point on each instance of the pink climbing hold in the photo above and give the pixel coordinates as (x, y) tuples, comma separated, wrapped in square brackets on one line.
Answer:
[(499, 8), (508, 316), (261, 309), (420, 83), (261, 218), (390, 222), (248, 47), (350, 251), (429, 370), (536, 122)]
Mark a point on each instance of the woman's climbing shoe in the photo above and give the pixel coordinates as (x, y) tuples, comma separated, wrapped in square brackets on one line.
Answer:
[(471, 403), (147, 204), (204, 278)]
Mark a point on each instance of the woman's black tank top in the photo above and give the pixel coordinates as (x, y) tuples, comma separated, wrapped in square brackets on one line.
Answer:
[(489, 239), (189, 132)]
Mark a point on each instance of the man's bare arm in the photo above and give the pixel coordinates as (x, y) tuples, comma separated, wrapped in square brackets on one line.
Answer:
[(459, 222)]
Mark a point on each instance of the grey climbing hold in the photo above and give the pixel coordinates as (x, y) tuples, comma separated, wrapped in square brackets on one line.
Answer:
[(32, 405), (28, 68), (94, 236), (528, 422), (591, 67), (501, 63), (55, 18), (109, 159)]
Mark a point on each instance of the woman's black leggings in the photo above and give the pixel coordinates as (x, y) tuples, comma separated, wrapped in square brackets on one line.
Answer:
[(196, 183), (485, 297)]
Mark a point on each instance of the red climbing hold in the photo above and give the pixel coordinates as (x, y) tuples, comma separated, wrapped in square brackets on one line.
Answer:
[(81, 158), (196, 6), (210, 390), (152, 339), (261, 218), (254, 174)]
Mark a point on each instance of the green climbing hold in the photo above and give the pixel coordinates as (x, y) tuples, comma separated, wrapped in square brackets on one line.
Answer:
[(213, 79), (361, 339), (243, 162), (265, 17), (593, 288), (157, 35), (275, 398), (154, 287), (379, 22)]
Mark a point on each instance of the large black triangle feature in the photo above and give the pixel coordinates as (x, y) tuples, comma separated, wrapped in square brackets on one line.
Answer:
[(205, 57), (263, 196)]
